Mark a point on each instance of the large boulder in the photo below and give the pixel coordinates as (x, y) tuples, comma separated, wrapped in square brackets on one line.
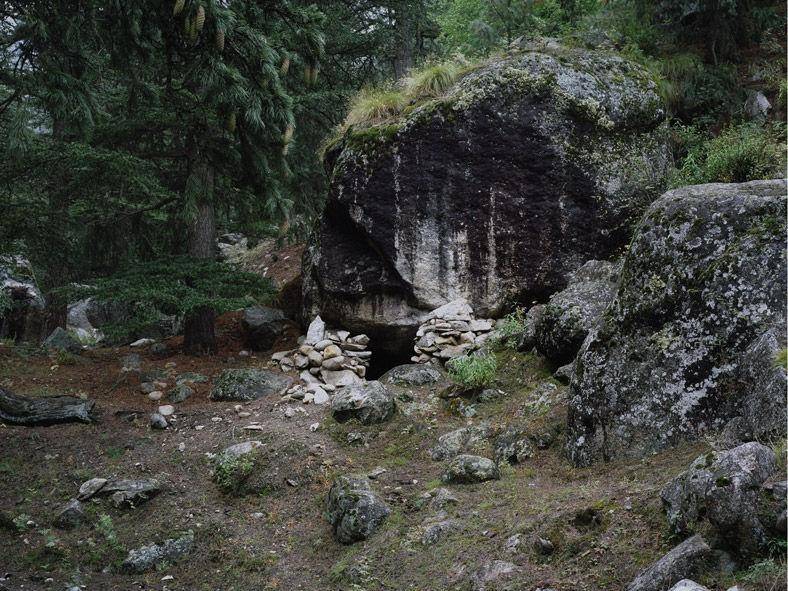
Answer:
[(683, 561), (368, 403), (530, 165), (571, 313), (704, 280), (729, 489), (354, 511)]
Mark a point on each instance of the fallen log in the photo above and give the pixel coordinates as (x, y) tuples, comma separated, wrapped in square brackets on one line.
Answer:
[(49, 410)]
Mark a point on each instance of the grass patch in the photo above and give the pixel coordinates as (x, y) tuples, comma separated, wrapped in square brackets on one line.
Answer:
[(509, 328), (473, 371), (373, 106), (781, 359)]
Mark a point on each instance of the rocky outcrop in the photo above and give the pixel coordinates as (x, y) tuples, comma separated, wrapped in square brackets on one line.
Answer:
[(263, 327), (367, 403), (675, 354), (529, 166)]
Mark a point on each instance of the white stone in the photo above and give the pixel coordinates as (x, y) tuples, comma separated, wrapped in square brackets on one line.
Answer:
[(142, 343), (340, 378), (166, 410), (321, 396), (316, 331)]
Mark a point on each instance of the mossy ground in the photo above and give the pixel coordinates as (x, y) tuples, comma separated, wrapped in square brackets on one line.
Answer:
[(605, 521)]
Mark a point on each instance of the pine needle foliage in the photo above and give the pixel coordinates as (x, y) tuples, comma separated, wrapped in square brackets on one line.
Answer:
[(176, 287)]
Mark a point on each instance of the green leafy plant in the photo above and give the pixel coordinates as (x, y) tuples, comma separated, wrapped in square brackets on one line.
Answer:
[(473, 371), (740, 153), (509, 328)]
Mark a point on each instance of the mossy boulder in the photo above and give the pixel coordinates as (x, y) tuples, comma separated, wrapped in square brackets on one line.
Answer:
[(674, 355), (354, 511), (530, 165)]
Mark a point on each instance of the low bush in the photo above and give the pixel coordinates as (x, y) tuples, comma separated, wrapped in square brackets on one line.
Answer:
[(740, 153), (473, 371)]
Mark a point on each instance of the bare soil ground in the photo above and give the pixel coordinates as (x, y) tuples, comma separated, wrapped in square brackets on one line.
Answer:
[(277, 538)]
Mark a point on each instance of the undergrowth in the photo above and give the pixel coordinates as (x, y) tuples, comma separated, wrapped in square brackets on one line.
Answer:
[(473, 371)]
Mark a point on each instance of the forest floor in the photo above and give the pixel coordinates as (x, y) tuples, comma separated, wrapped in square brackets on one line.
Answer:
[(605, 522)]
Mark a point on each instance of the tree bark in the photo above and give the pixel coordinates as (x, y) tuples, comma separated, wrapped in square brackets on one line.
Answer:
[(51, 410), (199, 335), (405, 39)]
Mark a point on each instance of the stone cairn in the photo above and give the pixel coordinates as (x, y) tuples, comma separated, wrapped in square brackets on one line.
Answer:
[(331, 358), (450, 331)]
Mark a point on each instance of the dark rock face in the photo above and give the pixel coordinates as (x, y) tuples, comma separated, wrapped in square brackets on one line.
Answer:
[(571, 313), (354, 511), (528, 167), (673, 356), (263, 327), (729, 489)]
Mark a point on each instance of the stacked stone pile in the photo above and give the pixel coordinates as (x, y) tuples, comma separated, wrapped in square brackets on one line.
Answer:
[(450, 331), (327, 357)]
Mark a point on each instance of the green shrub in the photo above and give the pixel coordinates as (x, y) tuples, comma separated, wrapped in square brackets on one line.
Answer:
[(740, 153), (473, 371), (231, 473), (509, 328)]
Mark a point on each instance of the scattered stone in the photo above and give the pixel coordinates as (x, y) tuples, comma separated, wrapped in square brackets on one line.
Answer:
[(435, 531), (543, 545), (682, 561), (321, 396), (61, 340), (467, 469), (156, 395), (139, 343), (91, 488), (180, 393), (166, 410), (354, 511), (513, 446), (367, 403), (316, 331), (149, 557), (248, 384), (688, 585), (464, 439), (131, 363), (157, 421), (130, 493), (190, 378), (491, 573), (441, 498), (72, 515), (376, 473)]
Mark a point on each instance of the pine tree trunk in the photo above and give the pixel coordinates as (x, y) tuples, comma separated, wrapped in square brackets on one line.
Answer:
[(403, 60), (199, 335)]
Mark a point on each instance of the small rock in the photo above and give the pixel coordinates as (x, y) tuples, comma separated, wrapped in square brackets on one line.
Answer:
[(688, 585), (316, 331), (72, 515), (180, 393), (354, 511), (157, 421), (465, 469), (166, 410), (156, 395), (369, 403), (91, 488), (142, 343)]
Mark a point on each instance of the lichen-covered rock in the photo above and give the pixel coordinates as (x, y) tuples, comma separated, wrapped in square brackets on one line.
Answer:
[(413, 374), (467, 469), (367, 403), (462, 440), (248, 384), (703, 281), (526, 340), (24, 315), (354, 511), (681, 562), (726, 488), (61, 340), (149, 557), (532, 164), (571, 313)]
